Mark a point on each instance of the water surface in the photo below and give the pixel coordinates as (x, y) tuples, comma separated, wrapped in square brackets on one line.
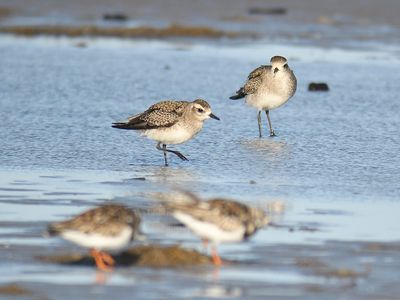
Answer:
[(334, 163)]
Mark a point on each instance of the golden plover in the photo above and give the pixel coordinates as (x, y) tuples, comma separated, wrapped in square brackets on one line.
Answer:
[(170, 122), (268, 87)]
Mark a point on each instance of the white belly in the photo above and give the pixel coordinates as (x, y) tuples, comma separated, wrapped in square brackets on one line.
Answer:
[(98, 241), (273, 92), (266, 101), (172, 135), (210, 231)]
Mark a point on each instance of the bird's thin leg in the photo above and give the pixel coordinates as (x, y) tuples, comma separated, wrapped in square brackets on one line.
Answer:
[(271, 131), (107, 258), (259, 122), (165, 154), (164, 148), (177, 153), (216, 259)]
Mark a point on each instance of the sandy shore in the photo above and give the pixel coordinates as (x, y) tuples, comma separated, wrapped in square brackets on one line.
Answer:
[(308, 21), (384, 12)]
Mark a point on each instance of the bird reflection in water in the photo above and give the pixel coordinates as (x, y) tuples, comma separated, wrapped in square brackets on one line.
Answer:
[(271, 150)]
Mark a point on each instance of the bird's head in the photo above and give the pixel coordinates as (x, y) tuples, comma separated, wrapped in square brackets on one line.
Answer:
[(260, 218), (279, 63), (202, 110)]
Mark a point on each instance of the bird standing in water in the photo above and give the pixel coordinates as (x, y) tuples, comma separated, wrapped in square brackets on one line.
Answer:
[(268, 87), (170, 122)]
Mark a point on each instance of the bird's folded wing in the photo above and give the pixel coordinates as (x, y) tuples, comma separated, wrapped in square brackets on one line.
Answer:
[(150, 120), (254, 80), (213, 216), (162, 114), (257, 72), (169, 106)]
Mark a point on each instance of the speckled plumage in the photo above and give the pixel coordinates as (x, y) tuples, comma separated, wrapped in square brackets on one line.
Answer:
[(228, 215), (216, 220), (170, 122), (107, 220), (161, 114), (254, 80), (110, 227), (268, 87)]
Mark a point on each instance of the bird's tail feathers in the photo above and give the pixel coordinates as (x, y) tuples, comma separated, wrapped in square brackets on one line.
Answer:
[(121, 125), (239, 95), (52, 230)]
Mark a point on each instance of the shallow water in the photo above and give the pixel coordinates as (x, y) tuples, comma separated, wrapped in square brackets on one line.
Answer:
[(334, 164)]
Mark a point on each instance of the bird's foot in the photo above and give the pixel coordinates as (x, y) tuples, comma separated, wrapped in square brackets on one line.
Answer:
[(215, 257), (103, 260), (181, 156), (272, 133), (107, 258), (217, 260)]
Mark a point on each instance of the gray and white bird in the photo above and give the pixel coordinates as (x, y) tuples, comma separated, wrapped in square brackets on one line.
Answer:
[(170, 122), (215, 220), (109, 227), (268, 87)]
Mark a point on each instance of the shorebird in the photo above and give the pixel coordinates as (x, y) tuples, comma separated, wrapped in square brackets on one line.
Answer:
[(268, 87), (215, 220), (110, 227), (170, 122)]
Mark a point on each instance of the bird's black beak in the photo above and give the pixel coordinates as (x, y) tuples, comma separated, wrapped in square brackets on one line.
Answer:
[(213, 116)]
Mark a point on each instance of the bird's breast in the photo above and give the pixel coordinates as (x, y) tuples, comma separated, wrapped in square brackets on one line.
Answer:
[(100, 241), (176, 134), (273, 92)]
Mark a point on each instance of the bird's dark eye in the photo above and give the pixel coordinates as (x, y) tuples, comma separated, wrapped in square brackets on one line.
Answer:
[(200, 110), (285, 66)]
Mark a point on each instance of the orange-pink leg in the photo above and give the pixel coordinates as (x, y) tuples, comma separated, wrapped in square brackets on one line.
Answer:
[(216, 259), (103, 260), (205, 244)]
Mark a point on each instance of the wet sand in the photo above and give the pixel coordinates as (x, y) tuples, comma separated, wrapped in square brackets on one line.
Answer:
[(371, 12), (326, 23)]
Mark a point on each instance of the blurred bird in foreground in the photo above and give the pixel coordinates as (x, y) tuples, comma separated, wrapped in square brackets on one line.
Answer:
[(215, 220), (109, 227)]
